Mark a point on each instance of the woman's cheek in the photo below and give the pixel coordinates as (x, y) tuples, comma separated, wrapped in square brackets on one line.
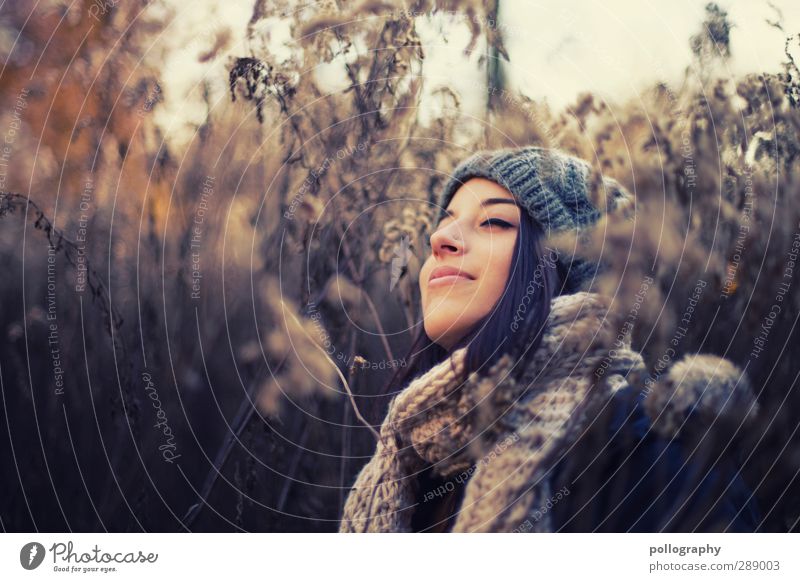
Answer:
[(424, 273)]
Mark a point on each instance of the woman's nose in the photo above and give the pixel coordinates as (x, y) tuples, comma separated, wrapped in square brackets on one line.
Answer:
[(448, 239)]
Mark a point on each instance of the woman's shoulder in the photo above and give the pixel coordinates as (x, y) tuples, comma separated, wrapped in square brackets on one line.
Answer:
[(626, 476)]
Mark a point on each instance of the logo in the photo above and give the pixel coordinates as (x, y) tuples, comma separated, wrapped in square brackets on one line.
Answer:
[(31, 555)]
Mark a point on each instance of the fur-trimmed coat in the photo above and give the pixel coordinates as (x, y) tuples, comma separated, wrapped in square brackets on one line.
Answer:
[(584, 441)]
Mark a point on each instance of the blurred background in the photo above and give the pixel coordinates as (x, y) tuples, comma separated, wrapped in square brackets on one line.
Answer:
[(212, 216)]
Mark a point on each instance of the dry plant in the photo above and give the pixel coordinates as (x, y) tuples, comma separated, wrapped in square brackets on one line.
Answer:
[(267, 330)]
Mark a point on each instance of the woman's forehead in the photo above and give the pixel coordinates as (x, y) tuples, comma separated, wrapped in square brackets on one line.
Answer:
[(481, 192)]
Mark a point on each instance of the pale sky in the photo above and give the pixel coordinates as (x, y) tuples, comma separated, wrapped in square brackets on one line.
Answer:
[(614, 46), (558, 48)]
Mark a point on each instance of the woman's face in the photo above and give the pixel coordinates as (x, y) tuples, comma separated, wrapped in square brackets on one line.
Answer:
[(471, 251)]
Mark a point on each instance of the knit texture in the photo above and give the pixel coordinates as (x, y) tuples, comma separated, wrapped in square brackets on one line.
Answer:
[(554, 188), (699, 391), (502, 435)]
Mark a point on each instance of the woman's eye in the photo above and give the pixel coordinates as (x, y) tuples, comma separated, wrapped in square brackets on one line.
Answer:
[(497, 222)]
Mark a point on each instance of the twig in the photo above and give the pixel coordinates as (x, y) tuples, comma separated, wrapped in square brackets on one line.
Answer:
[(292, 470), (360, 279), (345, 384), (243, 416), (11, 201), (345, 450)]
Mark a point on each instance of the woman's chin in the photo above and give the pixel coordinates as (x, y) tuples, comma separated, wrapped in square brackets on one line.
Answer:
[(443, 336), (449, 304)]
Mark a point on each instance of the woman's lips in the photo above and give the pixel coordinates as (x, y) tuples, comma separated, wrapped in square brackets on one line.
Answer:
[(443, 276), (447, 280)]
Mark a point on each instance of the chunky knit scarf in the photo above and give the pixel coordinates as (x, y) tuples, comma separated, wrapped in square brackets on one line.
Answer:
[(499, 435)]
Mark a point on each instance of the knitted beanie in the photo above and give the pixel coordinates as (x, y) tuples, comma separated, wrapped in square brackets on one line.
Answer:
[(552, 186)]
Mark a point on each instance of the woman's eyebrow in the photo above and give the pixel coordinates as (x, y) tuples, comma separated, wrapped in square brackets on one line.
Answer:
[(489, 201)]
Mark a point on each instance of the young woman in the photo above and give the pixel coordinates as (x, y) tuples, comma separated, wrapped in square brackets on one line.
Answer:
[(521, 409)]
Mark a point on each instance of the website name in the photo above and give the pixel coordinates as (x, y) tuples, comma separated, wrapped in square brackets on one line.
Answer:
[(96, 555)]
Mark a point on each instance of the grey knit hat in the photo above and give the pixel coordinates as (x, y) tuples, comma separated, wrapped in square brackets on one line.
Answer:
[(552, 186)]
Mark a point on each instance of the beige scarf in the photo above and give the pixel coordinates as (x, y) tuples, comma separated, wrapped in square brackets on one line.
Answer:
[(499, 436)]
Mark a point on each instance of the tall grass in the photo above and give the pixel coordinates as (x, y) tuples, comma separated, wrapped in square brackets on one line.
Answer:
[(247, 296)]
